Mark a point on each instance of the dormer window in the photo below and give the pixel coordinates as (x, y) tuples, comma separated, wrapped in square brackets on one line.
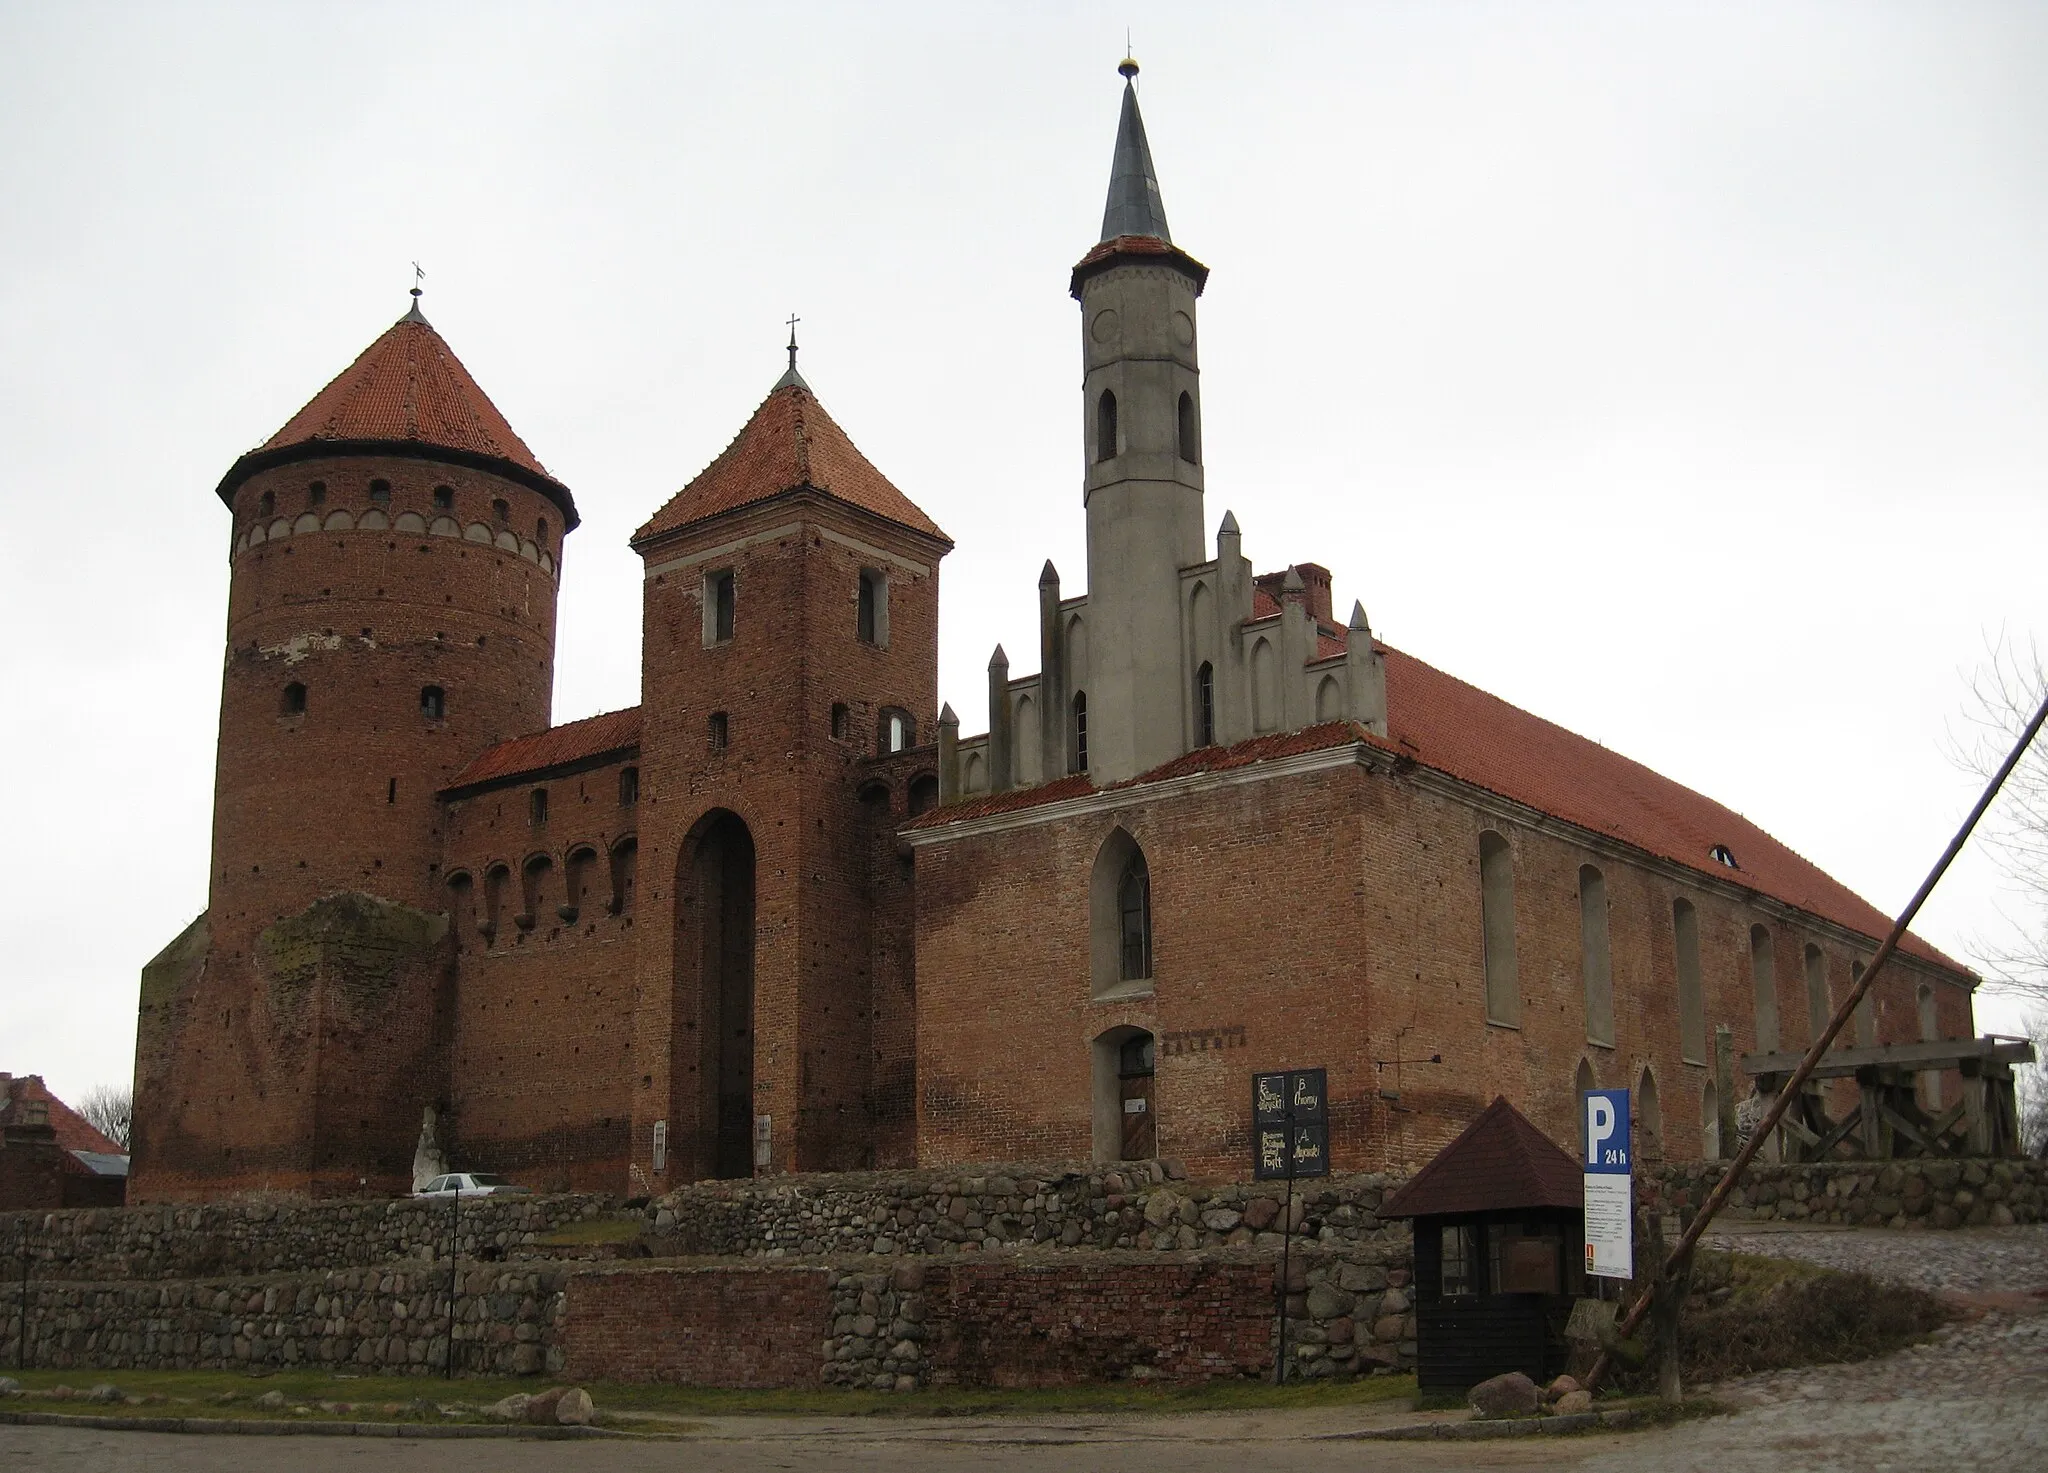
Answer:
[(1722, 854)]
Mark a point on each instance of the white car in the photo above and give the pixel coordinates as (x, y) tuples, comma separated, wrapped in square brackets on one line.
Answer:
[(470, 1184)]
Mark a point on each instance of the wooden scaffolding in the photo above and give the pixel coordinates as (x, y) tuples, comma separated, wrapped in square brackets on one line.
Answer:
[(1897, 1113)]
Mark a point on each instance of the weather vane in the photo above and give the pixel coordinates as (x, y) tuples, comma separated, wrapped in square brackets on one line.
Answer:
[(418, 275), (793, 321)]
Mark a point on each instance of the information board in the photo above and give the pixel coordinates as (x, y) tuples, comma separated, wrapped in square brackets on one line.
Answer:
[(1610, 1195), (1290, 1124)]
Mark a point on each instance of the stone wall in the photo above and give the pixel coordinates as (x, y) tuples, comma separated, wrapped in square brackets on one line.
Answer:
[(1015, 1318), (227, 1239), (1895, 1194), (1133, 1205), (392, 1321)]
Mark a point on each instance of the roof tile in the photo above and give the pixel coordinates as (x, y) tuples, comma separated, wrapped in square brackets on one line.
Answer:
[(790, 443), (74, 1133), (572, 741), (1500, 1163)]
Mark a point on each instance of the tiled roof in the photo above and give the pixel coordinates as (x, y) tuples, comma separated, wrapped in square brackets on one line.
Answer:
[(407, 388), (789, 443), (572, 741), (1440, 722), (1501, 1163), (1103, 252), (73, 1131)]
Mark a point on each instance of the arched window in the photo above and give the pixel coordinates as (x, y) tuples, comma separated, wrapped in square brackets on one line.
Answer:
[(380, 492), (462, 906), (1105, 426), (924, 794), (534, 877), (1763, 977), (871, 608), (1329, 699), (268, 505), (537, 807), (1818, 1010), (1596, 958), (577, 874), (1497, 929), (898, 731), (1692, 1013), (433, 702), (1205, 705), (1648, 1119), (625, 861), (316, 494), (293, 701), (718, 731), (1185, 421), (1134, 921), (1120, 918), (444, 497), (497, 894), (629, 786), (1080, 731), (502, 509)]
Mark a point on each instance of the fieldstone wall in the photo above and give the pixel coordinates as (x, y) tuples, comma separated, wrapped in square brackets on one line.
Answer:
[(230, 1239), (1135, 1205), (1894, 1194), (393, 1321)]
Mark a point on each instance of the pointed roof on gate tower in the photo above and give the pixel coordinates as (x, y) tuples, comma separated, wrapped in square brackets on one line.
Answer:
[(406, 394), (1134, 215), (790, 444)]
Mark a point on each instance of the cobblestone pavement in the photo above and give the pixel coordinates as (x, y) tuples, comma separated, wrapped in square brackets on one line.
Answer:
[(1965, 1260)]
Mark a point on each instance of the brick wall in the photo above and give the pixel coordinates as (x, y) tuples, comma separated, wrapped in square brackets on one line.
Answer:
[(1328, 917), (727, 1326)]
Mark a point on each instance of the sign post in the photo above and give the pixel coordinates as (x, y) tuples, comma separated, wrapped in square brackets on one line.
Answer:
[(1610, 1198), (1290, 1138)]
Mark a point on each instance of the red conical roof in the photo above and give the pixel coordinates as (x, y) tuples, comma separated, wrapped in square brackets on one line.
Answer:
[(790, 444), (407, 393)]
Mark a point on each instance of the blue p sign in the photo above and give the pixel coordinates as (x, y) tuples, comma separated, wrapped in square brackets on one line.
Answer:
[(1606, 1130)]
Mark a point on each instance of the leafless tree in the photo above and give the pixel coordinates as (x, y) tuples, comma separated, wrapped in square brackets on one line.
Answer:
[(109, 1109), (2032, 1082), (2004, 694)]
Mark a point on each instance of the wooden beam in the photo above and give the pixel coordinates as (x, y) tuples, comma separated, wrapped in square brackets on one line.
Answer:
[(1940, 1053)]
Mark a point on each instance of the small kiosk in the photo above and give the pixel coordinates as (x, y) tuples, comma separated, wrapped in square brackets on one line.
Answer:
[(1499, 1224)]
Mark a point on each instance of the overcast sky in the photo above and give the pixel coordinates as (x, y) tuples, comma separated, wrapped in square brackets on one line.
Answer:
[(1674, 371)]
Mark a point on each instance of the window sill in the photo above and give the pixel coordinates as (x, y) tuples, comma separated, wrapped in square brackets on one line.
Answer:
[(1125, 992), (1503, 1023), (1606, 1043)]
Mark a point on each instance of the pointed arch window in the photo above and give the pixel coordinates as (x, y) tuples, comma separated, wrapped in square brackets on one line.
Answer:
[(1596, 956), (1080, 731), (1497, 929), (1105, 426), (1205, 705), (1120, 918), (1184, 417), (1134, 920)]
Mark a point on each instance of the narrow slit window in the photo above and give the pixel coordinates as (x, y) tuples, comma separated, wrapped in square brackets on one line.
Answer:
[(444, 498), (268, 505), (391, 792), (629, 787), (537, 807), (1185, 423), (720, 602), (720, 731), (1134, 912), (502, 510), (1105, 426), (871, 612), (1497, 929), (293, 702), (1205, 705), (1080, 731), (1692, 1016), (433, 702), (316, 494), (380, 492), (841, 720)]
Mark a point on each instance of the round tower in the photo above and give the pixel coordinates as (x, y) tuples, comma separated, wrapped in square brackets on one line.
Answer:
[(391, 612)]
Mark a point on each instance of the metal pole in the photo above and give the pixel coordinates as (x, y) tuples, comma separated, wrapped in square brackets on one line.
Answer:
[(1789, 1091)]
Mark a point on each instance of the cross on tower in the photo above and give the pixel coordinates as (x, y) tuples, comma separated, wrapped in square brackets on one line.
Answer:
[(418, 275), (793, 321)]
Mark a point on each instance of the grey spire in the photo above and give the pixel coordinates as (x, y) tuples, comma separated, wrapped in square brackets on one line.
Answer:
[(1049, 574), (415, 315), (1134, 207)]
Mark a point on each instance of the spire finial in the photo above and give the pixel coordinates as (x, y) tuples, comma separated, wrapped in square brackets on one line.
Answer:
[(1128, 67), (791, 378), (1134, 206), (418, 275), (793, 321)]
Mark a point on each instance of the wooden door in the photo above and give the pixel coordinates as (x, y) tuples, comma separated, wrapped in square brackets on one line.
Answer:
[(1140, 1135)]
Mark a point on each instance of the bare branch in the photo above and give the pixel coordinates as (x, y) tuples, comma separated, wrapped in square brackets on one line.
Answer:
[(109, 1109)]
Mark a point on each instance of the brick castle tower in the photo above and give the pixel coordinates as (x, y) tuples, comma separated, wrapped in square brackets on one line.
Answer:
[(395, 557)]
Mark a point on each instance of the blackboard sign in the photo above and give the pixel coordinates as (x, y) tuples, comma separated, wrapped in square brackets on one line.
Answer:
[(1290, 1124)]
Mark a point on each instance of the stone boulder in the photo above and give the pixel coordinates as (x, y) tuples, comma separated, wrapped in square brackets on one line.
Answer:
[(1511, 1395), (1574, 1402), (271, 1401), (1562, 1386), (574, 1409), (540, 1408), (511, 1409)]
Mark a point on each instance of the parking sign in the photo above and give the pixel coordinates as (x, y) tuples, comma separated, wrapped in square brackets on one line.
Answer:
[(1610, 1199)]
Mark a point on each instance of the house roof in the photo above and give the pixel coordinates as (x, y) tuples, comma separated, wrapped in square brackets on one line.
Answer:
[(789, 444), (406, 392), (74, 1132), (572, 741), (1501, 1163), (1440, 722)]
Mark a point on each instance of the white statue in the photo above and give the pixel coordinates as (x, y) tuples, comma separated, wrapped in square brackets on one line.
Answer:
[(428, 1159)]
